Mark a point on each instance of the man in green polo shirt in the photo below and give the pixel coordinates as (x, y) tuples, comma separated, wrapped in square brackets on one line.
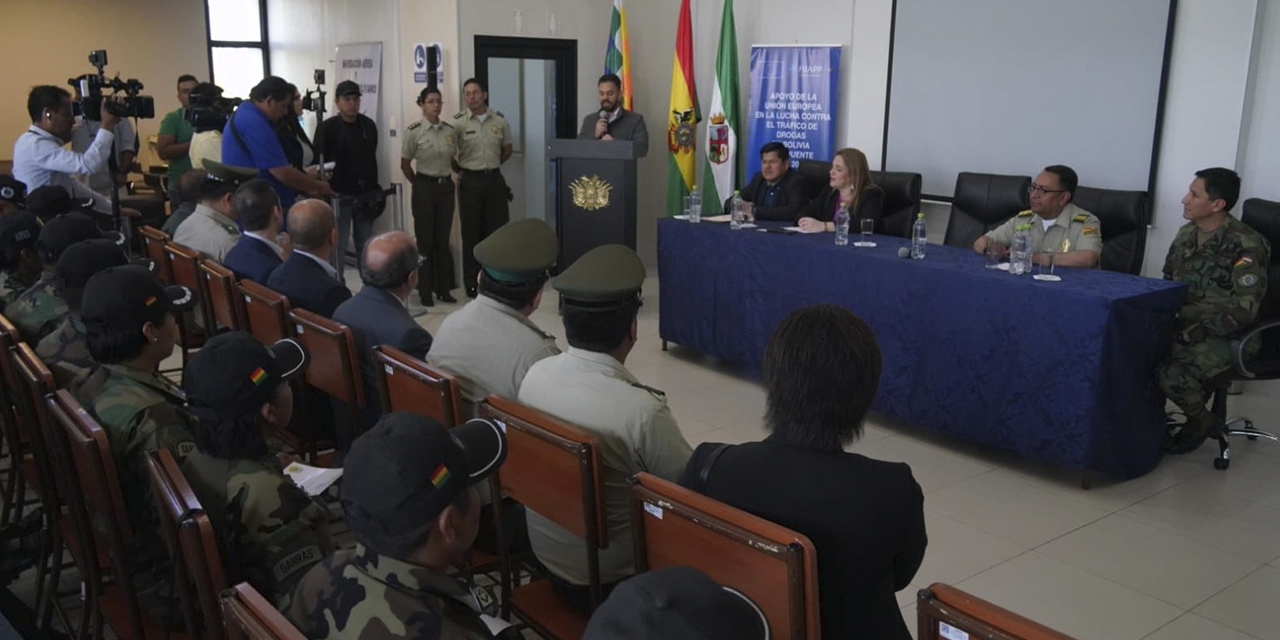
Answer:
[(174, 138)]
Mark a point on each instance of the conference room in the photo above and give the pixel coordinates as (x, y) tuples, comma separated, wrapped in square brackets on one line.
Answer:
[(1028, 407)]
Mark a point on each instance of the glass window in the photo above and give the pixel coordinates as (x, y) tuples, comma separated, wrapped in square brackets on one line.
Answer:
[(235, 20), (237, 69)]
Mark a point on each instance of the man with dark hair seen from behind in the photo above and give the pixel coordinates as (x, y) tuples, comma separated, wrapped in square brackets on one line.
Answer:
[(174, 138), (590, 386), (350, 140), (306, 277), (484, 144), (250, 140), (257, 253), (1224, 265), (1058, 226), (408, 495), (777, 191), (614, 122)]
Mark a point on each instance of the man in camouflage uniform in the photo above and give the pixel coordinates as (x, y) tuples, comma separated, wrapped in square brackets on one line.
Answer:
[(409, 499), (271, 531), (19, 263), (66, 351), (1224, 264), (37, 312), (484, 144)]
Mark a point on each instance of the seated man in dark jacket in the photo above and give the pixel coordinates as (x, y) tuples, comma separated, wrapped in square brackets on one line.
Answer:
[(307, 278), (777, 191), (257, 254)]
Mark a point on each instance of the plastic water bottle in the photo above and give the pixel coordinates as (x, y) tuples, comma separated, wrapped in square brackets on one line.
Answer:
[(736, 213), (1018, 251), (842, 226), (919, 238), (695, 205)]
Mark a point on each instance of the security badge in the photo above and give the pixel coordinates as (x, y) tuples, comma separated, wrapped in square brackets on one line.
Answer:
[(496, 129), (448, 139)]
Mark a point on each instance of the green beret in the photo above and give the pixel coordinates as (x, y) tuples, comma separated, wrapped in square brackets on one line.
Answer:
[(229, 173), (518, 251), (602, 277)]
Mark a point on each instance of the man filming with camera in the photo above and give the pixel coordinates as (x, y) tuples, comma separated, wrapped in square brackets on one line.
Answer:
[(250, 140)]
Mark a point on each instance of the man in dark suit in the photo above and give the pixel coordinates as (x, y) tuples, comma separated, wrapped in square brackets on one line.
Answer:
[(379, 314), (777, 191), (257, 253), (614, 122), (308, 278)]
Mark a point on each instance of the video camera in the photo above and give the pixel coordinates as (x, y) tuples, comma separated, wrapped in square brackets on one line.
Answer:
[(313, 99), (89, 93), (209, 110)]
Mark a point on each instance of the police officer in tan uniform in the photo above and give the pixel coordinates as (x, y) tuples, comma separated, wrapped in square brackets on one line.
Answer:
[(1058, 226), (484, 143), (431, 143)]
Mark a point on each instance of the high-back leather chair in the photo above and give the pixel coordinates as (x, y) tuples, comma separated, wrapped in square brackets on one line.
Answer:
[(982, 202), (1124, 216), (772, 565), (946, 613), (901, 201), (815, 175), (249, 616)]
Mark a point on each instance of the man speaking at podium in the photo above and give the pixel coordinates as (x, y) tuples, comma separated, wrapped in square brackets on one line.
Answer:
[(613, 122)]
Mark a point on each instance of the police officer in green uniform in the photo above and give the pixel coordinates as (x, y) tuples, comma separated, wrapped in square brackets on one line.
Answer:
[(19, 263), (484, 143), (66, 350), (211, 229), (1224, 264), (1058, 226), (272, 532), (590, 386), (39, 309), (409, 498), (432, 144)]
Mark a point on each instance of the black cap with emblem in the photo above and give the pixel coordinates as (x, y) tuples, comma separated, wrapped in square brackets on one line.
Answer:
[(83, 260), (677, 603), (51, 201), (121, 300), (12, 190), (60, 233), (605, 278), (234, 374), (18, 231)]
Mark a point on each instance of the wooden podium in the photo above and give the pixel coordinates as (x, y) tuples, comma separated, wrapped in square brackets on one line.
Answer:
[(593, 195)]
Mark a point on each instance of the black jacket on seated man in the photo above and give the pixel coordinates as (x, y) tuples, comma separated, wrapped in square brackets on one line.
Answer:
[(308, 285), (252, 258), (781, 200), (823, 207)]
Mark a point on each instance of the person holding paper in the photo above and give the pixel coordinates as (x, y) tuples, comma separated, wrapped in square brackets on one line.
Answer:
[(239, 392), (850, 188)]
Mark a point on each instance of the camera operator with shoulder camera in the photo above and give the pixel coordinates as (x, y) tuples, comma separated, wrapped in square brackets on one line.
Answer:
[(82, 136), (174, 139), (250, 140)]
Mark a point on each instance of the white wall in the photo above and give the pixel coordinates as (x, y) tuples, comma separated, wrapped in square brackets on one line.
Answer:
[(1259, 158)]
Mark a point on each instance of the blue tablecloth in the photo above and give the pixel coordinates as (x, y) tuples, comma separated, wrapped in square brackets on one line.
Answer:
[(1060, 371)]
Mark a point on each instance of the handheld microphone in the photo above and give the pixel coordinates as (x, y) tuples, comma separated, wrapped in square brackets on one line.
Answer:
[(603, 114), (904, 252)]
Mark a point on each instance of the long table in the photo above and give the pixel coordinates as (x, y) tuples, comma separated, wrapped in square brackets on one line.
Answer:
[(1060, 371)]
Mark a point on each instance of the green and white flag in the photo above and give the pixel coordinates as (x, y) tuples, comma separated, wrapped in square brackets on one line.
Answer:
[(721, 175)]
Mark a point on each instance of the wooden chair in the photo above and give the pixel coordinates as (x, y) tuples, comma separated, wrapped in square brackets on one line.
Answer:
[(266, 312), (153, 242), (406, 383), (184, 264), (334, 367), (553, 468), (225, 310), (248, 615), (192, 545), (771, 564), (15, 482), (944, 612)]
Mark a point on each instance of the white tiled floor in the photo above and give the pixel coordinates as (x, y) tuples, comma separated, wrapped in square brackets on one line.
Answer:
[(1185, 552)]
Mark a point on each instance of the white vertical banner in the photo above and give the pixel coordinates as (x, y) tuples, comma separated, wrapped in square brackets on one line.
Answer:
[(361, 63)]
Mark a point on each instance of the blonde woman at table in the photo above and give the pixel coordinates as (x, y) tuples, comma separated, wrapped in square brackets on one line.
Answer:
[(850, 187)]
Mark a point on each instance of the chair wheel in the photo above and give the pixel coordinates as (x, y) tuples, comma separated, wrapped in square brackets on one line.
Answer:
[(1221, 463)]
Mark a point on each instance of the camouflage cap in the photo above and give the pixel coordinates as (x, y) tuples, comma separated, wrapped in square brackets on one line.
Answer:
[(234, 373), (603, 278), (85, 259), (60, 233), (120, 300), (519, 251), (51, 201), (12, 189), (399, 475), (229, 173), (677, 603)]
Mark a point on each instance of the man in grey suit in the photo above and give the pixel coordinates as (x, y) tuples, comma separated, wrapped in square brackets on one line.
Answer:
[(613, 122)]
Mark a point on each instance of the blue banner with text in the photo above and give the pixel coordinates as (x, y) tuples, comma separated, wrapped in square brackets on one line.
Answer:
[(793, 101)]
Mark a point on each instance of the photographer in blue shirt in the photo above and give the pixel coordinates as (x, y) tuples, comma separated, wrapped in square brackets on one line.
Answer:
[(250, 140)]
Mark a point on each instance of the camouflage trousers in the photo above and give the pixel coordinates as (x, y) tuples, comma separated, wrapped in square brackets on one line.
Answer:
[(1184, 375)]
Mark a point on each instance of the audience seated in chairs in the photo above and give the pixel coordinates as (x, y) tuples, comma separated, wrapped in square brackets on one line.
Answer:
[(590, 387), (257, 254), (39, 309), (307, 278), (409, 498), (865, 517), (184, 195), (270, 531), (676, 603), (212, 229), (850, 188), (66, 350), (19, 263)]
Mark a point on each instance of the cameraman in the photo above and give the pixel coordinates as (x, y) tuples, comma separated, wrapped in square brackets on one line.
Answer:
[(101, 181), (206, 144), (174, 140), (39, 157), (250, 140)]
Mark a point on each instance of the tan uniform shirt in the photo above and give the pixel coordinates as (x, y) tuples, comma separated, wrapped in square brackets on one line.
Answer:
[(1073, 230), (480, 143), (209, 232), (637, 432), (432, 147)]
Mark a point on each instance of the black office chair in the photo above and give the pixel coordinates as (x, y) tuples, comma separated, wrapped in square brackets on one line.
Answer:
[(816, 174), (983, 201), (1264, 217), (1125, 216), (901, 201)]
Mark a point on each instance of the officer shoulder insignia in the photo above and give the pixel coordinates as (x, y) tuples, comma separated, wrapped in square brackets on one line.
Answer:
[(657, 394), (498, 113), (1248, 280), (458, 115), (1245, 259), (414, 125), (1024, 214), (545, 335), (1081, 217), (1089, 231)]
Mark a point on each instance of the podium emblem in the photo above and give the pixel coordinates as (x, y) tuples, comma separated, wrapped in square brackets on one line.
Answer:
[(590, 192)]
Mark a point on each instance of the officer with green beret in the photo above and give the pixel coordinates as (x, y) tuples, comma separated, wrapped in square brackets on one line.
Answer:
[(590, 386), (212, 229), (484, 143)]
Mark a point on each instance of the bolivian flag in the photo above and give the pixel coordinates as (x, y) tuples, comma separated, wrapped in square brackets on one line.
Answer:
[(683, 118)]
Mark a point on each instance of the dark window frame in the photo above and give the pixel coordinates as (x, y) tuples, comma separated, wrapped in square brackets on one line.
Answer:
[(262, 44)]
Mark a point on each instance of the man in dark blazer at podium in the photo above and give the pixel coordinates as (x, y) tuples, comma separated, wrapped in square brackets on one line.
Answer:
[(777, 191), (613, 122)]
